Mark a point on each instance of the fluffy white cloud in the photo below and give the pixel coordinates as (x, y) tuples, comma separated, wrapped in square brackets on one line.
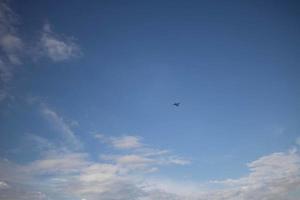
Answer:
[(57, 48), (271, 177)]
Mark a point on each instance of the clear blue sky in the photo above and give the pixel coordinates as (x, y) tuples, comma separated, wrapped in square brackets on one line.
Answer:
[(99, 72)]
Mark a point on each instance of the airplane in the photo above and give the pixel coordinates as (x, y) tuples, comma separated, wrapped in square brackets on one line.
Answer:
[(176, 104)]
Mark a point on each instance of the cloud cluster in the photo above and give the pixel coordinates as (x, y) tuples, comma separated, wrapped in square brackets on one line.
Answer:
[(125, 176), (13, 49), (64, 172), (272, 177), (133, 155)]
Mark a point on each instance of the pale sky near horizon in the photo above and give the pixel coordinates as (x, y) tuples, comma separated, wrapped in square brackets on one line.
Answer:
[(87, 91)]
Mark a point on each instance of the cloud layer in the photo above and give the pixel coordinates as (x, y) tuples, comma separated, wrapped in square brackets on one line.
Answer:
[(75, 175), (131, 172)]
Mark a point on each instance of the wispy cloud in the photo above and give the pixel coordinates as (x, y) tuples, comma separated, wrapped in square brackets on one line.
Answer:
[(62, 163), (11, 46), (13, 49), (10, 41), (56, 47), (126, 142), (62, 126), (133, 154)]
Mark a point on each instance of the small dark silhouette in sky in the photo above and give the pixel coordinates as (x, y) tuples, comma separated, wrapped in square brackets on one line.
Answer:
[(176, 104)]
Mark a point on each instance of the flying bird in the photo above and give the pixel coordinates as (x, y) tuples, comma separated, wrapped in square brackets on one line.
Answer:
[(176, 104)]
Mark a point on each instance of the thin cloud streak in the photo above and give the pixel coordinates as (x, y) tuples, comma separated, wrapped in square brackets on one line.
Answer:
[(62, 126)]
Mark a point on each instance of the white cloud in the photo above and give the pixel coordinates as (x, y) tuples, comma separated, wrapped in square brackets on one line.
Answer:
[(136, 156), (98, 172), (271, 177), (3, 185), (13, 48), (99, 136), (57, 48), (126, 142), (73, 175), (61, 163), (133, 159), (178, 160)]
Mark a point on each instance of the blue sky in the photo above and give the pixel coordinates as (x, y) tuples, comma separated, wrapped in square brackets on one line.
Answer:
[(86, 94)]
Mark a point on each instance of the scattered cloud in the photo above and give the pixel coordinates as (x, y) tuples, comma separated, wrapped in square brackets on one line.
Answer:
[(177, 160), (272, 177), (10, 42), (13, 49), (56, 47), (62, 126), (126, 142), (133, 159), (58, 164), (99, 136), (73, 174), (132, 154), (11, 46)]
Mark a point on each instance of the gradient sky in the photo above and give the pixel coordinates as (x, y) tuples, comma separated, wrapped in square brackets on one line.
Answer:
[(86, 94)]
